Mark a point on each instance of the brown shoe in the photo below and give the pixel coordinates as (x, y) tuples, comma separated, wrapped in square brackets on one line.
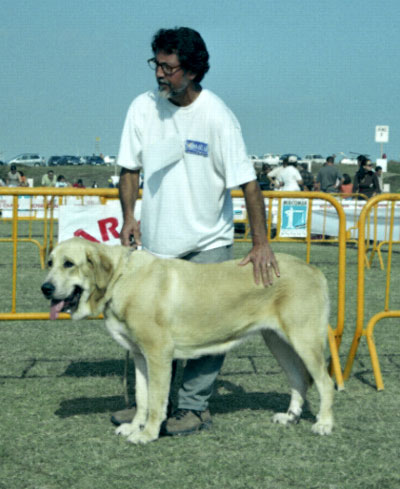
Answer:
[(123, 416), (187, 421), (126, 415)]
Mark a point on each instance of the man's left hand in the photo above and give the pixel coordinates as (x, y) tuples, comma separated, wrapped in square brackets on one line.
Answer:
[(264, 263)]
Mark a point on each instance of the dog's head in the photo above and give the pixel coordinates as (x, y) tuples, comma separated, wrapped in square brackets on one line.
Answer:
[(78, 277)]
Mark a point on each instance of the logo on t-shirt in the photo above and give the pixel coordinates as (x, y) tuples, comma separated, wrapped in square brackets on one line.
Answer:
[(196, 148)]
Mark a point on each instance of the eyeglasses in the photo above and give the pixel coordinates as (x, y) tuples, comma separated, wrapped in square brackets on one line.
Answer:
[(167, 69)]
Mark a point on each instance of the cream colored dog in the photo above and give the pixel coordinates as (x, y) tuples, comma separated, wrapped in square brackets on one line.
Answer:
[(165, 309)]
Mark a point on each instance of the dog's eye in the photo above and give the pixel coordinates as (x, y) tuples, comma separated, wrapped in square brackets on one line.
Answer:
[(50, 263), (68, 264)]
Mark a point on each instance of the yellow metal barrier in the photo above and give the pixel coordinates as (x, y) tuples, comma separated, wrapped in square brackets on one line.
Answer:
[(335, 335), (386, 313)]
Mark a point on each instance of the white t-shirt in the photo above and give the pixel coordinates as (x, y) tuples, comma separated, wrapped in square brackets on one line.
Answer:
[(191, 156), (289, 176)]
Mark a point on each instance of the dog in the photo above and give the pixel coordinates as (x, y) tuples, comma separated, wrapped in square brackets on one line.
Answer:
[(165, 309)]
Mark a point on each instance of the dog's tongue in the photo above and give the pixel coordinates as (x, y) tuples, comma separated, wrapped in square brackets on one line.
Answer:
[(55, 309)]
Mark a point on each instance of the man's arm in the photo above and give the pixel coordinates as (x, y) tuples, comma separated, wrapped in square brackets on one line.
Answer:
[(261, 255), (128, 194)]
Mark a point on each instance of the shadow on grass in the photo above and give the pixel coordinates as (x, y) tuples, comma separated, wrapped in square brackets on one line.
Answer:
[(89, 405), (100, 368), (236, 399)]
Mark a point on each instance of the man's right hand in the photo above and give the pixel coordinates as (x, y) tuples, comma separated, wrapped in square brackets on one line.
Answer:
[(130, 233)]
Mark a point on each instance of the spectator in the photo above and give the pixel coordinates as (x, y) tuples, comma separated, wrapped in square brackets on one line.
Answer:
[(290, 178), (365, 180), (13, 177), (263, 180), (307, 177), (379, 176), (79, 183), (274, 175), (94, 185), (347, 186), (24, 181), (328, 179), (61, 182), (49, 179)]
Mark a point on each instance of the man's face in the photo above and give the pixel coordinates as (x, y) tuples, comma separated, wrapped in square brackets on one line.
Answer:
[(175, 84)]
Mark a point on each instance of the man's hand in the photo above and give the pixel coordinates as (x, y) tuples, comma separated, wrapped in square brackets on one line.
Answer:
[(130, 233), (261, 255), (264, 264)]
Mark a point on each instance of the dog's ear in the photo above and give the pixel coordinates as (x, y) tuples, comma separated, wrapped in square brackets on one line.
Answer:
[(102, 267)]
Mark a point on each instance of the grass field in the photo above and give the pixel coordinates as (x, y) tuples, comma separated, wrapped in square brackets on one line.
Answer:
[(61, 380)]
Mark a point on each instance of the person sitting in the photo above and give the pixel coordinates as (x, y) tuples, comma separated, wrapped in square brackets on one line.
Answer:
[(79, 184), (13, 177), (49, 179), (61, 182), (24, 181)]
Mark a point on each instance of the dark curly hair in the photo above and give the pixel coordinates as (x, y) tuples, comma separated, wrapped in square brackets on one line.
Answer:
[(188, 45)]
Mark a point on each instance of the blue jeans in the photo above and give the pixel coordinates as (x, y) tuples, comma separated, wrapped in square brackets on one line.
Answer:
[(199, 375)]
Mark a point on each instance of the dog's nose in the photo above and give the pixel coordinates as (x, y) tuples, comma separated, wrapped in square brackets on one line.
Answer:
[(48, 289)]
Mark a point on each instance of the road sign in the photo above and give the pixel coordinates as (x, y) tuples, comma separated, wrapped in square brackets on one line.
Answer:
[(382, 134)]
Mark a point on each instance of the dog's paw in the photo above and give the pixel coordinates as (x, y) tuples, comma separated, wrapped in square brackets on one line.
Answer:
[(322, 427), (125, 429), (142, 437), (286, 418)]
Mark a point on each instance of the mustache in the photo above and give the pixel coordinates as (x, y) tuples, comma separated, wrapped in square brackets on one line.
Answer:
[(163, 83)]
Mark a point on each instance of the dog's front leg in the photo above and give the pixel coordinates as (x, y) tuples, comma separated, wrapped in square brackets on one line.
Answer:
[(141, 397), (159, 367)]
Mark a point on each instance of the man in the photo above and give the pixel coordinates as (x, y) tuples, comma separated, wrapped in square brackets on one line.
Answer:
[(49, 179), (329, 179), (190, 147)]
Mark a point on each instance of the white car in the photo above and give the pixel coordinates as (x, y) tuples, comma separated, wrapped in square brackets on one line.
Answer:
[(28, 159)]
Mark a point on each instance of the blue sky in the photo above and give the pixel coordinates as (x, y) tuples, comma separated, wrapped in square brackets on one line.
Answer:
[(301, 75)]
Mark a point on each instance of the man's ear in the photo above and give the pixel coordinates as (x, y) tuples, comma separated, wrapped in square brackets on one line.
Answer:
[(102, 267)]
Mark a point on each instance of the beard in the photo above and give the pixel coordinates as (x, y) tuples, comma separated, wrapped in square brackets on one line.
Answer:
[(166, 91)]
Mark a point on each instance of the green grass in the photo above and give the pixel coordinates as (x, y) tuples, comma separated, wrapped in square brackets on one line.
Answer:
[(61, 380)]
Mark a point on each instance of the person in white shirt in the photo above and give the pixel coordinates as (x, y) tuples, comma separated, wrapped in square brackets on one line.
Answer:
[(290, 178), (190, 147)]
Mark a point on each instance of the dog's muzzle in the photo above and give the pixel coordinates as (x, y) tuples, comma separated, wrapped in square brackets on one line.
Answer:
[(48, 290), (68, 304)]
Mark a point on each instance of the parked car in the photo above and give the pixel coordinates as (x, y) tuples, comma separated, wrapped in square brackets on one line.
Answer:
[(53, 160), (94, 160), (347, 160), (109, 160), (28, 159), (69, 160), (314, 158)]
